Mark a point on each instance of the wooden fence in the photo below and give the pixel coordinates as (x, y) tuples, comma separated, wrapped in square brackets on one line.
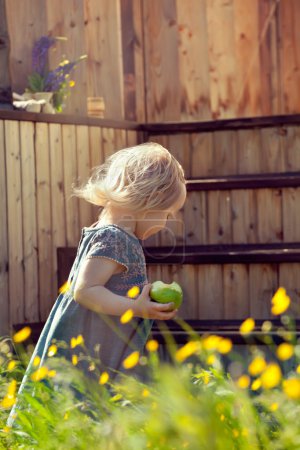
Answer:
[(238, 230), (162, 60)]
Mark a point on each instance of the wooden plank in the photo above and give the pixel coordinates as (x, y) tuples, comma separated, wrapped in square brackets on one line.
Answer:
[(96, 158), (225, 153), (4, 256), (139, 60), (269, 215), (108, 142), (195, 218), (132, 138), (210, 292), (244, 217), (202, 156), (290, 214), (272, 159), (5, 83), (289, 279), (120, 139), (83, 170), (161, 60), (58, 220), (290, 141), (67, 19), (263, 283), (44, 218), (186, 276), (14, 220), (23, 31), (246, 27), (70, 177), (236, 291), (193, 60), (289, 53), (180, 148), (103, 43), (249, 151), (29, 221), (219, 229), (222, 62)]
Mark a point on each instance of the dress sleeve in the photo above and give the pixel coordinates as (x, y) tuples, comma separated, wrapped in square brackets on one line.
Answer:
[(112, 244)]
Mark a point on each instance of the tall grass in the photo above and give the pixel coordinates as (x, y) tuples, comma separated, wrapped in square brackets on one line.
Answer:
[(189, 402)]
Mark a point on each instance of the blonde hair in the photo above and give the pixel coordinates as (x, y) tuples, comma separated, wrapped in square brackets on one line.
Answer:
[(139, 178)]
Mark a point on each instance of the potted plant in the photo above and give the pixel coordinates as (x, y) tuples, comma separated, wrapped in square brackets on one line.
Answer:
[(53, 86)]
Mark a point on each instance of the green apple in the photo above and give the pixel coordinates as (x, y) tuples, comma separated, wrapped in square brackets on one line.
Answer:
[(166, 293)]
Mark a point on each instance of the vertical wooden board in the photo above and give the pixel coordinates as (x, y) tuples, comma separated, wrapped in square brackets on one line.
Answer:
[(263, 282), (289, 38), (120, 139), (193, 60), (29, 221), (272, 158), (58, 222), (44, 218), (236, 291), (225, 152), (70, 177), (104, 49), (132, 138), (83, 171), (195, 218), (186, 276), (161, 60), (180, 147), (219, 223), (14, 216), (139, 60), (290, 214), (153, 272), (249, 151), (4, 299), (202, 157), (290, 141), (269, 57), (67, 19), (210, 292), (290, 280), (269, 215), (222, 61), (246, 27), (108, 142), (244, 216), (96, 158), (24, 29)]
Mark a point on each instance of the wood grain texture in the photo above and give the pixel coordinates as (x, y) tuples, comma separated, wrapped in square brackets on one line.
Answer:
[(236, 291), (210, 292), (263, 283), (288, 277)]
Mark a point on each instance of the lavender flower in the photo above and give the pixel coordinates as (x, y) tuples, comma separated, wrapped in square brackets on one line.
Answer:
[(57, 77), (40, 54)]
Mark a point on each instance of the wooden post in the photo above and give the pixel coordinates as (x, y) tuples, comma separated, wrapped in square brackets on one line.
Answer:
[(5, 85)]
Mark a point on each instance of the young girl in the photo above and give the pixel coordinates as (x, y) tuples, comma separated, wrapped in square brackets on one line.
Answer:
[(137, 188)]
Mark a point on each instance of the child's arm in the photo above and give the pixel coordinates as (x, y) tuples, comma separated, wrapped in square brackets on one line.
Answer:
[(90, 292)]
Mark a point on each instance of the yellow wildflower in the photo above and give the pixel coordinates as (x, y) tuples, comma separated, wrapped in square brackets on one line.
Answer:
[(280, 302), (222, 417), (284, 351), (51, 373), (257, 365), (11, 365), (64, 288), (52, 350), (274, 406), (235, 432), (133, 292), (104, 377), (247, 326), (77, 341), (224, 345), (74, 360), (127, 316), (291, 387), (211, 342), (298, 369), (210, 360), (22, 335), (243, 381), (145, 393), (271, 376), (152, 345), (71, 83), (36, 361), (131, 360), (256, 384), (39, 374), (187, 350)]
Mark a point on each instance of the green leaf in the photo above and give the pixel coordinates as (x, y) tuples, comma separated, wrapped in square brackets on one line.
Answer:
[(36, 82)]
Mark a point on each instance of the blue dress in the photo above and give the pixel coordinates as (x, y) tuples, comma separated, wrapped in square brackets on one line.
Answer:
[(104, 336)]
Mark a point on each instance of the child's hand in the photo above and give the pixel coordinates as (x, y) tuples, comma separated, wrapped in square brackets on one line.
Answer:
[(146, 308)]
